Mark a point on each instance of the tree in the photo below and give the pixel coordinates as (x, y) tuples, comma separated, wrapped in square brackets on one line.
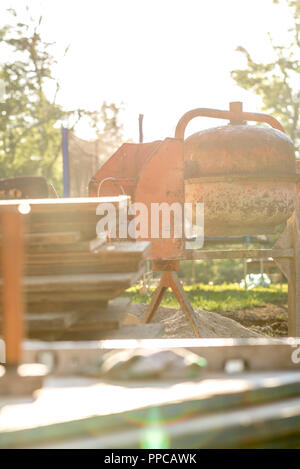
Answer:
[(107, 127), (278, 82), (30, 120)]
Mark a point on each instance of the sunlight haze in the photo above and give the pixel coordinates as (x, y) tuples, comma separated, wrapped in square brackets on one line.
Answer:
[(160, 58)]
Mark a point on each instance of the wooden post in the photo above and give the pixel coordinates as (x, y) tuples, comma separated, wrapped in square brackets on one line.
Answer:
[(141, 135), (12, 266), (65, 153), (294, 280)]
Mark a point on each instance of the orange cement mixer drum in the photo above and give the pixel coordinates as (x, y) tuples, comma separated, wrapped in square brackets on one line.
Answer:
[(244, 175)]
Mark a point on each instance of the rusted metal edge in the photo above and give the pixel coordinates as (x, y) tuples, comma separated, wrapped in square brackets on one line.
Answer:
[(228, 115), (271, 177)]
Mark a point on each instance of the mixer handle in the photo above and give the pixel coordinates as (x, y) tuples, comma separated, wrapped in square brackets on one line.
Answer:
[(235, 115)]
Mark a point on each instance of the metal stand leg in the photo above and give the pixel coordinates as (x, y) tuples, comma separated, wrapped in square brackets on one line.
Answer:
[(169, 279), (183, 300), (157, 297)]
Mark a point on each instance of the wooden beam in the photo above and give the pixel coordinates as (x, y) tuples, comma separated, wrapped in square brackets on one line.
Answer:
[(135, 332), (246, 409), (294, 280), (12, 294), (239, 254), (56, 283), (257, 354), (52, 238), (109, 317), (74, 204)]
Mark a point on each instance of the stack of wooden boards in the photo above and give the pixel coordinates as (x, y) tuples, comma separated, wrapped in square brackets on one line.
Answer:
[(248, 410), (73, 278)]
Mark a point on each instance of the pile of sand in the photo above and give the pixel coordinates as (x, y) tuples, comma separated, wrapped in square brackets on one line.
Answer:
[(176, 324)]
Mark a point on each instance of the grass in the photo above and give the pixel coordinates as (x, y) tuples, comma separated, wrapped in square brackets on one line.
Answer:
[(225, 297)]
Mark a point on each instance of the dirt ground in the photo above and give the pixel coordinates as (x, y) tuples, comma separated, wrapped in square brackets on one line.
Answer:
[(270, 320)]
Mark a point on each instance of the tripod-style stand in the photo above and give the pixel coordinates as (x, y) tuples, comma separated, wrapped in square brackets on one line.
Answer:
[(286, 254)]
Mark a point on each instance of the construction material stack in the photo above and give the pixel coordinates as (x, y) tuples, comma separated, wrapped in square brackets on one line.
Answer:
[(73, 277)]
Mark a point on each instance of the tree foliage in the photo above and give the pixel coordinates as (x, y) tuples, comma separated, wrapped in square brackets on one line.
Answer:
[(278, 82), (30, 120)]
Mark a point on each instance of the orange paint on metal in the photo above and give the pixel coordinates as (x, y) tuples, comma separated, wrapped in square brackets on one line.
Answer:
[(155, 171), (161, 181), (12, 268), (167, 265), (119, 174)]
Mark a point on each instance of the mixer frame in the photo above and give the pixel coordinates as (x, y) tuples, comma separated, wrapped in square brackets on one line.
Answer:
[(285, 253)]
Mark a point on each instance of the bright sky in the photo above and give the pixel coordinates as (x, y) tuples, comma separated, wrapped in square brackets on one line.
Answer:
[(160, 57)]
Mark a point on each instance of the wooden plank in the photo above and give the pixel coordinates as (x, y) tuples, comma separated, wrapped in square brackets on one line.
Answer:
[(115, 257), (109, 317), (135, 332), (48, 321), (58, 293), (82, 246), (256, 354), (45, 335), (237, 429), (240, 427), (51, 305), (86, 282), (51, 326), (70, 204), (239, 254), (48, 215), (213, 405), (294, 278), (68, 296), (88, 266), (52, 238), (97, 242), (67, 289), (139, 249), (65, 221), (283, 442), (87, 230), (123, 251)]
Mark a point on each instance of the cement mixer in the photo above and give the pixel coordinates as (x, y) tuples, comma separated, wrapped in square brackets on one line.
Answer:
[(244, 174)]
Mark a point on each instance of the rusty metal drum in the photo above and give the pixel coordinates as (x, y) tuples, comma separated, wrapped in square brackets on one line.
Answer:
[(244, 174)]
